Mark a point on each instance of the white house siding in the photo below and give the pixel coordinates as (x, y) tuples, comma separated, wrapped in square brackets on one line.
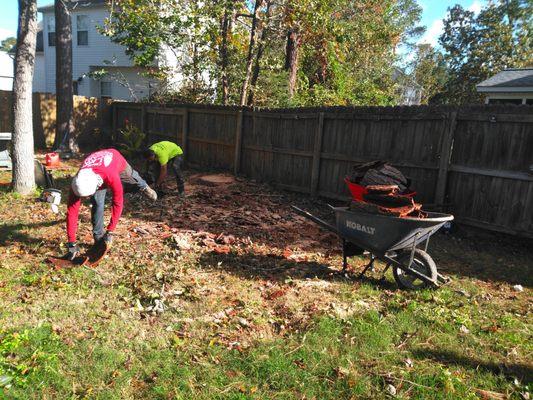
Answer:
[(6, 71), (39, 74), (127, 83), (100, 51)]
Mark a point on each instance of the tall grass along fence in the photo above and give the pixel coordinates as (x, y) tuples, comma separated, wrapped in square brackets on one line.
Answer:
[(476, 161)]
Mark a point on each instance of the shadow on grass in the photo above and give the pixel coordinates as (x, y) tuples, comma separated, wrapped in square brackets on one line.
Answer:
[(10, 233), (523, 372), (278, 268), (486, 256)]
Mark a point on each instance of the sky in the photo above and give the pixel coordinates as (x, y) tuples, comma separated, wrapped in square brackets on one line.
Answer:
[(433, 13)]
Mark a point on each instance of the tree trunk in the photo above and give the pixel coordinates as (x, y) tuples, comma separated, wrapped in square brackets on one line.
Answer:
[(292, 58), (23, 170), (225, 31), (260, 51), (64, 139), (251, 51)]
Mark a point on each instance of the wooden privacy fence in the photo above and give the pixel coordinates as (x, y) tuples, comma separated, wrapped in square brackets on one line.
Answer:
[(475, 160), (90, 114)]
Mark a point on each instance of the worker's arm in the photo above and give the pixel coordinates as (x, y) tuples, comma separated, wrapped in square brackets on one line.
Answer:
[(162, 175), (118, 202), (73, 210)]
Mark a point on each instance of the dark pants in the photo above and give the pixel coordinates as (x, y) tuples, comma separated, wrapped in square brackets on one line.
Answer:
[(175, 164), (131, 182)]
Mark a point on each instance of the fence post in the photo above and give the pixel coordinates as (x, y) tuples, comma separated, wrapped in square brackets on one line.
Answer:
[(238, 142), (445, 155), (185, 134), (315, 171)]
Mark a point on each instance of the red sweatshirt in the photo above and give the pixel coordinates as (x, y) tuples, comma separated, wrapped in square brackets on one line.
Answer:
[(107, 163)]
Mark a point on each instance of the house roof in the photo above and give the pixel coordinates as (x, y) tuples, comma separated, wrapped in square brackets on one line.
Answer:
[(515, 80), (74, 4)]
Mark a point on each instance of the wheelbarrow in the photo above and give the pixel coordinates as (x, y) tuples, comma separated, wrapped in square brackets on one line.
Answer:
[(396, 241)]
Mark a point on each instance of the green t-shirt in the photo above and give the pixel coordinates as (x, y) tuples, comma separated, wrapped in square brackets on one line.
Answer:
[(165, 151)]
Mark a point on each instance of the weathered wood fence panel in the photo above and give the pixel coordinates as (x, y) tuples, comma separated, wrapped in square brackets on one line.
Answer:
[(211, 140), (473, 160), (91, 115), (489, 183)]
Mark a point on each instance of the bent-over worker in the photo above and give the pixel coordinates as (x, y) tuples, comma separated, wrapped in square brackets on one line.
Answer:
[(102, 170), (160, 155)]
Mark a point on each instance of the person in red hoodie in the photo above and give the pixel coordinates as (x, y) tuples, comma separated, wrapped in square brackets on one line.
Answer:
[(102, 170)]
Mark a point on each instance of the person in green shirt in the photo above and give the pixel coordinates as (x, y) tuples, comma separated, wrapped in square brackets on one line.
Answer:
[(158, 157)]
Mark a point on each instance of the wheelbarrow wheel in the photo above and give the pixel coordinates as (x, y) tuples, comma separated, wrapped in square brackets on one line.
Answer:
[(422, 263)]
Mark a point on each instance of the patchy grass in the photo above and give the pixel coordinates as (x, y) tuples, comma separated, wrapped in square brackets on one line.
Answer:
[(227, 304)]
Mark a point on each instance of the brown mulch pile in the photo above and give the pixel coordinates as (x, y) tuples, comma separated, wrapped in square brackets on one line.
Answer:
[(236, 213)]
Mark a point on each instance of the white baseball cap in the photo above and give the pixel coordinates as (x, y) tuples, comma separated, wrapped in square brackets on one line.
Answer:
[(86, 182)]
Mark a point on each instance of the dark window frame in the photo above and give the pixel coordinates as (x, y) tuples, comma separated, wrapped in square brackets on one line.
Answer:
[(82, 35), (51, 34), (107, 95), (51, 39)]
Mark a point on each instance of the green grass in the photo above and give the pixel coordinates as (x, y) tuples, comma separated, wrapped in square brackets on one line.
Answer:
[(80, 334)]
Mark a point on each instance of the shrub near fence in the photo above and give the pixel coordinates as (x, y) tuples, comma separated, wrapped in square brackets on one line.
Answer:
[(475, 160)]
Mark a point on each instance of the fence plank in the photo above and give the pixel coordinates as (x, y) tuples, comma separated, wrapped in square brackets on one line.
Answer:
[(445, 154), (315, 172), (185, 134), (238, 143)]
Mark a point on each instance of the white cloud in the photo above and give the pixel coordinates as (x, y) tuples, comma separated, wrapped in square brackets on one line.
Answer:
[(433, 32), (476, 7), (5, 33)]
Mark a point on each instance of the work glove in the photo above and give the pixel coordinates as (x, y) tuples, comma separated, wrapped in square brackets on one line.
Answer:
[(73, 251), (150, 193)]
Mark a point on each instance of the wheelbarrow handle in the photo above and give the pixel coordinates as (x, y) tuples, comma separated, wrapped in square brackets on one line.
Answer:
[(316, 220)]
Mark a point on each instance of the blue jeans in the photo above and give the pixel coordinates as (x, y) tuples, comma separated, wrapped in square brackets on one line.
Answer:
[(131, 182), (175, 164)]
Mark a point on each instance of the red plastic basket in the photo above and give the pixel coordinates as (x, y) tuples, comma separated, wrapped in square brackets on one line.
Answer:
[(359, 191), (356, 190)]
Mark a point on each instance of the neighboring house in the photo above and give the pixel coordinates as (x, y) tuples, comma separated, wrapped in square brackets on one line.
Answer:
[(510, 86), (409, 91), (6, 71), (39, 73), (91, 52)]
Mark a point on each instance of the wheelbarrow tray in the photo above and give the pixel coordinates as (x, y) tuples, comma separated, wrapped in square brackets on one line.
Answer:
[(383, 233)]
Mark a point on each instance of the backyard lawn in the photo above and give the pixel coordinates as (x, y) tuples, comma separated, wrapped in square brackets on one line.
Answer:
[(227, 294)]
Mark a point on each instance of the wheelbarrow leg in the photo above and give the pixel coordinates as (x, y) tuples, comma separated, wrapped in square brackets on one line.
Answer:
[(368, 266), (344, 256)]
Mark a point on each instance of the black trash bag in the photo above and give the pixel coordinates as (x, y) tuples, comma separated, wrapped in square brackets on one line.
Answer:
[(43, 178)]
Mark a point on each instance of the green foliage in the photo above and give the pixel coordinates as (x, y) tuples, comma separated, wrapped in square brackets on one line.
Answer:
[(346, 49), (27, 355), (8, 44), (429, 71), (477, 47), (131, 141)]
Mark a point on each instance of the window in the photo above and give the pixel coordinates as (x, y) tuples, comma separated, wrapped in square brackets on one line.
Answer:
[(505, 101), (529, 102), (82, 26), (105, 89), (51, 31), (40, 42), (75, 88)]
